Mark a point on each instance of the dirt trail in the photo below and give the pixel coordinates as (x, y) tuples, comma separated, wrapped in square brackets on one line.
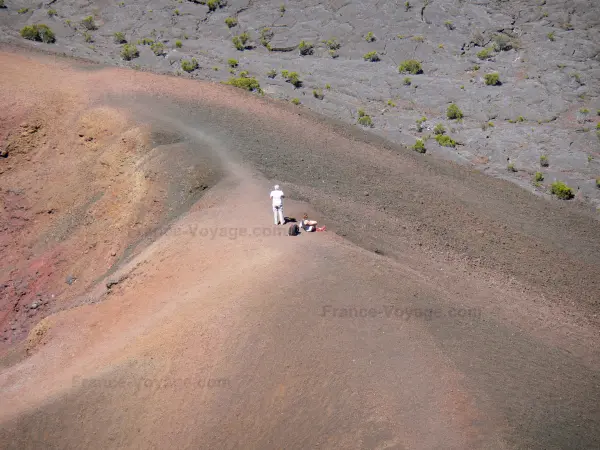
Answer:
[(229, 341)]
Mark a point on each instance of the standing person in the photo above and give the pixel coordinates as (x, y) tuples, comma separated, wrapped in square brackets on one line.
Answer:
[(277, 198)]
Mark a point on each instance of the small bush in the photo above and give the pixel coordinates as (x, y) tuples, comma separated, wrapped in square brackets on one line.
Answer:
[(244, 74), (453, 112), (233, 62), (407, 6), (272, 73), (306, 48), (391, 103), (213, 4), (178, 44), (411, 66), (419, 146), (539, 176), (240, 41), (119, 38), (370, 37), (448, 24), (23, 11), (420, 123), (561, 190), (511, 168), (158, 48), (475, 68), (318, 94), (231, 22), (418, 38), (502, 43), (38, 32), (189, 66), (439, 129), (333, 44), (246, 83), (52, 12), (282, 9), (2, 5), (365, 121), (544, 161), (371, 56), (147, 41), (87, 37), (445, 141), (129, 51), (598, 183), (88, 23), (292, 78), (407, 81), (328, 87), (551, 36), (486, 53), (492, 79), (520, 119), (266, 34), (295, 101)]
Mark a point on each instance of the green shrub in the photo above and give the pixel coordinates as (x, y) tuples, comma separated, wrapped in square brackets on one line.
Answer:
[(391, 103), (23, 11), (371, 56), (244, 74), (88, 23), (38, 32), (411, 66), (213, 4), (2, 5), (231, 22), (328, 87), (407, 6), (448, 24), (561, 190), (439, 129), (598, 183), (539, 176), (419, 146), (520, 119), (418, 38), (178, 44), (486, 53), (370, 37), (492, 79), (189, 66), (502, 43), (511, 168), (445, 141), (361, 112), (272, 73), (246, 83), (129, 51), (333, 44), (158, 48), (306, 48), (266, 34), (52, 12), (282, 9), (119, 38), (240, 41), (551, 36), (318, 94), (453, 112), (292, 78), (87, 37), (295, 101), (407, 81), (365, 121), (544, 161), (475, 68), (420, 123), (147, 41), (233, 62), (285, 73)]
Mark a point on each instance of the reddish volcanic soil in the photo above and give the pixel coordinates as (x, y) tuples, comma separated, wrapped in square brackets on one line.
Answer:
[(147, 301)]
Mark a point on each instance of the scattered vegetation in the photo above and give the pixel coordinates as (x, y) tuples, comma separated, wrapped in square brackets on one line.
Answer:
[(561, 190), (391, 103), (598, 183), (296, 101), (407, 81), (544, 161), (2, 5), (576, 77), (189, 65), (292, 78), (502, 43), (213, 4), (511, 168), (246, 83), (411, 66), (88, 23), (419, 146), (420, 123), (418, 38), (38, 32), (147, 41), (328, 87), (364, 119), (448, 24), (52, 12), (453, 112), (233, 62), (333, 44), (492, 79), (551, 36), (539, 176), (87, 37), (272, 73), (282, 10), (318, 94), (486, 53), (231, 22), (371, 56), (158, 48), (306, 48), (119, 38), (23, 11), (445, 140), (178, 44), (407, 6), (439, 129), (370, 37), (240, 41), (129, 52), (266, 34)]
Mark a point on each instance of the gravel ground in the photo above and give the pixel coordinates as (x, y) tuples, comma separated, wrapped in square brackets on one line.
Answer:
[(547, 60)]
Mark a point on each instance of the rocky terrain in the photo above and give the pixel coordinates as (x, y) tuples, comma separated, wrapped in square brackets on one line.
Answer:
[(540, 117)]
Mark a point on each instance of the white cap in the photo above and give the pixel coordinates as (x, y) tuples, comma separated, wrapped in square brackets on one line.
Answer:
[(276, 187)]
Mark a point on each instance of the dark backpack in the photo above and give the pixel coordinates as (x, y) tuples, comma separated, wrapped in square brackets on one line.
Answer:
[(293, 230)]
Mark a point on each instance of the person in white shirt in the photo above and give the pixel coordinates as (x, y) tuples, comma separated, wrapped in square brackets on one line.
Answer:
[(308, 225), (277, 198)]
